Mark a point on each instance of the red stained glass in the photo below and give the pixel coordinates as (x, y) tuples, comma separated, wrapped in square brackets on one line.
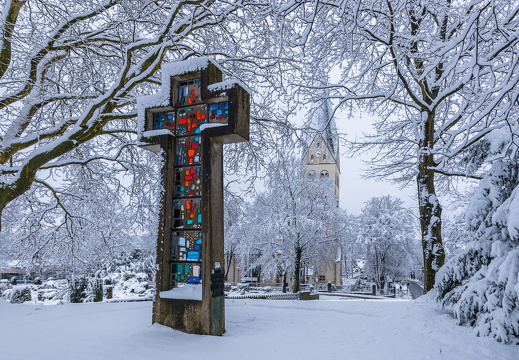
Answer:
[(189, 119), (187, 150), (189, 92)]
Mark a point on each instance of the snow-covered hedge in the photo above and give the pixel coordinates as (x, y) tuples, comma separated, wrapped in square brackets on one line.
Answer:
[(20, 294)]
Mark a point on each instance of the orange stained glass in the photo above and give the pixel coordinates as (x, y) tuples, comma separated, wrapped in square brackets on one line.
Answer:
[(190, 118), (188, 182)]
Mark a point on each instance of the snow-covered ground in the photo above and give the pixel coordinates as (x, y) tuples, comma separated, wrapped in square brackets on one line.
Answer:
[(256, 329)]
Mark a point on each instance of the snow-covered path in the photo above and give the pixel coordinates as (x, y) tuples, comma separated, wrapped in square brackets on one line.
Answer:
[(256, 329)]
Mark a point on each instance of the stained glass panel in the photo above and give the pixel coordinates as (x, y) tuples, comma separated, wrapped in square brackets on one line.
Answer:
[(188, 182), (165, 120), (190, 118), (219, 113), (186, 246), (187, 213), (189, 92), (188, 150), (187, 250)]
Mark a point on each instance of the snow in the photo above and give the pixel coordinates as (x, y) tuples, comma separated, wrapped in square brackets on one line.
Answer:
[(210, 125), (513, 215), (499, 139), (151, 133), (227, 84), (256, 329), (186, 292)]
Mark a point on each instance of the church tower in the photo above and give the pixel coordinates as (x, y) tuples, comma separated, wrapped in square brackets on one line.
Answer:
[(322, 159)]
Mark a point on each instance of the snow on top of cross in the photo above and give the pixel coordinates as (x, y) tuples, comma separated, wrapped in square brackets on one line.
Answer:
[(186, 66), (225, 85), (151, 133), (210, 125)]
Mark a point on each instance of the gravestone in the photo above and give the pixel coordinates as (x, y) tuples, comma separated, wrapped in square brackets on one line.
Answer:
[(189, 120)]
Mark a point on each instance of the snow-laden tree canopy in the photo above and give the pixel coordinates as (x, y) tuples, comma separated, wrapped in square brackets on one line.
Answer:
[(439, 75), (70, 72), (385, 239), (481, 283), (292, 224)]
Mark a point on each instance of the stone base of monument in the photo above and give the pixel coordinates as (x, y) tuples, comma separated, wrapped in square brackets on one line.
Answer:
[(190, 316)]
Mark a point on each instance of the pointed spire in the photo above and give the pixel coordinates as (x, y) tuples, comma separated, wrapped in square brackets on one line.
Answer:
[(325, 124)]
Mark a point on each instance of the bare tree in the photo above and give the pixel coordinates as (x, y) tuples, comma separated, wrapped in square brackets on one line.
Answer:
[(386, 237), (293, 223), (70, 71), (439, 74)]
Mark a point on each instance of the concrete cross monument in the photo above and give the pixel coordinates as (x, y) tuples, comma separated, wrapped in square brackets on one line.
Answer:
[(189, 120)]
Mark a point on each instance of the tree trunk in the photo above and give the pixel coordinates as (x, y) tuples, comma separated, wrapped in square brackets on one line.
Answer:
[(285, 285), (229, 257), (429, 208), (297, 277)]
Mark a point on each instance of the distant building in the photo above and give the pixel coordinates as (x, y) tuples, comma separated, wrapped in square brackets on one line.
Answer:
[(14, 269), (322, 159), (11, 269)]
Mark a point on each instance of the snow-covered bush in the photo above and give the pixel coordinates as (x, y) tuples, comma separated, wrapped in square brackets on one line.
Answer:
[(129, 284), (4, 285), (94, 290), (482, 282), (84, 289), (77, 289), (20, 294)]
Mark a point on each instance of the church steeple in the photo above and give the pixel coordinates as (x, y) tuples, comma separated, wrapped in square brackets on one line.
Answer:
[(322, 123)]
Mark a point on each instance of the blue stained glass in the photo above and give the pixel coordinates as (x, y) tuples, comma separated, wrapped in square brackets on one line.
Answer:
[(193, 280), (197, 247), (199, 241), (176, 269), (193, 255), (182, 241)]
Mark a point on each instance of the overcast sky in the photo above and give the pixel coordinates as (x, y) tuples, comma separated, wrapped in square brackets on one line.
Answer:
[(355, 190)]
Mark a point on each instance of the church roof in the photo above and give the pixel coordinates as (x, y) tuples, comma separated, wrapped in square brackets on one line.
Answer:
[(322, 123)]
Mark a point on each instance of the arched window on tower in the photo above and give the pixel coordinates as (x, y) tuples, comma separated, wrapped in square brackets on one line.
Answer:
[(324, 157), (324, 174)]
